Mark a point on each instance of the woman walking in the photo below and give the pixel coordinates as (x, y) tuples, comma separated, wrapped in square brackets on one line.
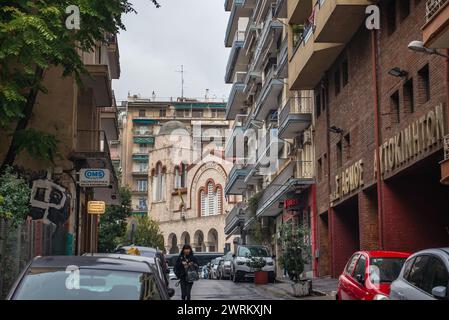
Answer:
[(185, 265)]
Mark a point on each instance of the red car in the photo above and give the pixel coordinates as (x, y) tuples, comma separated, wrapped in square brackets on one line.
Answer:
[(369, 274)]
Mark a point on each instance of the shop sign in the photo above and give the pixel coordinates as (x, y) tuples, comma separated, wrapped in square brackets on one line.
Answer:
[(96, 207), (415, 139), (90, 178), (291, 204), (348, 181)]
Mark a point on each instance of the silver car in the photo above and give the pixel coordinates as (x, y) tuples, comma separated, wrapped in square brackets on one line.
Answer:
[(424, 276)]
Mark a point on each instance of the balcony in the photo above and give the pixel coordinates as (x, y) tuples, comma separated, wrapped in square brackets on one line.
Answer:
[(235, 184), (280, 11), (337, 21), (309, 61), (268, 97), (445, 163), (141, 157), (436, 29), (299, 11), (137, 191), (144, 140), (239, 8), (236, 131), (237, 60), (282, 59), (140, 173), (235, 220), (98, 79), (296, 174), (271, 30), (295, 117), (237, 98)]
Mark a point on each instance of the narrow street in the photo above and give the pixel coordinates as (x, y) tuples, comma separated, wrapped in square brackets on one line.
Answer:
[(228, 290)]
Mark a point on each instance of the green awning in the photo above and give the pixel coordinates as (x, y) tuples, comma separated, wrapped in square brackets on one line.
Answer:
[(141, 158), (144, 140), (145, 121)]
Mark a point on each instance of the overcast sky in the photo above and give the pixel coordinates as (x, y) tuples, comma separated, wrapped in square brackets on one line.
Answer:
[(158, 41)]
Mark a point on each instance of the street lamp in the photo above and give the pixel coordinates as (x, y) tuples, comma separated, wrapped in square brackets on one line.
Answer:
[(418, 46)]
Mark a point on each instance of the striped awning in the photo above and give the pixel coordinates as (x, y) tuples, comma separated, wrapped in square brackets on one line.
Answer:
[(144, 140), (145, 121), (141, 158), (188, 106)]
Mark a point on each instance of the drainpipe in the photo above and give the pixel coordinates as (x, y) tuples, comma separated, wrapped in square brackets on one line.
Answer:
[(447, 90), (377, 137), (314, 230)]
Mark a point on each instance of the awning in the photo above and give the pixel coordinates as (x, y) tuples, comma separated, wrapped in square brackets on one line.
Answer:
[(145, 121), (141, 158), (146, 140)]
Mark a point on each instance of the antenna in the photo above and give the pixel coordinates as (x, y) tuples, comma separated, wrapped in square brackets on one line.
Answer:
[(182, 80)]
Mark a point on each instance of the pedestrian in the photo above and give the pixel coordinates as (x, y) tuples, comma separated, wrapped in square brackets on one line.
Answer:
[(185, 264)]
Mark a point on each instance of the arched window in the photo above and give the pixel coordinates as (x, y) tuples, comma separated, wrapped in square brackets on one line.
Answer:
[(211, 200), (180, 176), (159, 183), (177, 181)]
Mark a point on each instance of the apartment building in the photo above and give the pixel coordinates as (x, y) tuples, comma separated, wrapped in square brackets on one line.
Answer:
[(84, 119), (173, 163), (271, 141), (380, 118)]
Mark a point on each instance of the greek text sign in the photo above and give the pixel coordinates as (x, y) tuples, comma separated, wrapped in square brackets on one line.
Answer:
[(96, 207)]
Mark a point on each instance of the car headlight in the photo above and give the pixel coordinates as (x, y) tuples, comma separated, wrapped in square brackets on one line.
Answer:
[(381, 297)]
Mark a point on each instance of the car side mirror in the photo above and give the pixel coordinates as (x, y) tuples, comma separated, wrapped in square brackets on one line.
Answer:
[(361, 279), (171, 292), (439, 292)]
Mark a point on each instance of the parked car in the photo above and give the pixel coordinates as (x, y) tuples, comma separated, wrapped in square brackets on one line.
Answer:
[(369, 274), (172, 275), (239, 268), (88, 278), (213, 273), (225, 266), (424, 276), (149, 253)]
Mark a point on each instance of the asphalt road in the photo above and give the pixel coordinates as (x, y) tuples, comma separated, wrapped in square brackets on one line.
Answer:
[(228, 290)]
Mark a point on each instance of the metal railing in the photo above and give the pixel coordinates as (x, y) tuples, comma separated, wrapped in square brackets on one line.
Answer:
[(304, 170), (446, 147), (239, 36), (92, 141), (236, 213), (240, 77), (296, 105), (142, 133), (433, 7)]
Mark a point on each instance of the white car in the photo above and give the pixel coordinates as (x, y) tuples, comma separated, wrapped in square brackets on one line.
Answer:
[(239, 268), (172, 275), (424, 276)]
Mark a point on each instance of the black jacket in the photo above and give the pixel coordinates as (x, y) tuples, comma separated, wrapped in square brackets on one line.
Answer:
[(180, 270)]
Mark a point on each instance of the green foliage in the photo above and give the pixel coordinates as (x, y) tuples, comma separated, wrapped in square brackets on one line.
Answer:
[(295, 249), (40, 145), (148, 233), (253, 202), (256, 263), (14, 197), (112, 227), (34, 37)]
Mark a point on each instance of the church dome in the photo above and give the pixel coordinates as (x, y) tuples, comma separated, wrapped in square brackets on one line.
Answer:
[(173, 127)]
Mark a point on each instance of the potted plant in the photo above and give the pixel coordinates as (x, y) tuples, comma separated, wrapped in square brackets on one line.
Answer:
[(295, 254), (256, 264)]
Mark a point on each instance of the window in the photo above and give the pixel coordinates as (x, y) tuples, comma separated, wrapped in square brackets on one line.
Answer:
[(424, 84), (339, 155), (435, 275), (345, 70), (409, 103), (197, 113), (337, 82), (181, 176), (143, 167), (144, 148), (360, 269), (320, 169), (391, 16), (163, 112), (142, 185), (407, 268), (348, 145), (416, 274), (159, 183), (211, 200), (142, 113), (395, 108), (404, 6), (351, 264), (142, 203), (385, 270), (318, 105)]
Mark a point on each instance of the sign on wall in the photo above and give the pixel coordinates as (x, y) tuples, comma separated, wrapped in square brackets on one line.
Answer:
[(96, 207), (91, 178)]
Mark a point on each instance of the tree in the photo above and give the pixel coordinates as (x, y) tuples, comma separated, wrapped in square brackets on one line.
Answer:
[(14, 197), (34, 37), (113, 223), (295, 249), (148, 233)]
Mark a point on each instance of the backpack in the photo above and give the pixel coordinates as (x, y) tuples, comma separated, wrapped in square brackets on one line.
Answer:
[(192, 274)]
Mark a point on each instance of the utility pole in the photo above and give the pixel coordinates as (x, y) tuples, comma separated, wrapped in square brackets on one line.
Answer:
[(182, 80)]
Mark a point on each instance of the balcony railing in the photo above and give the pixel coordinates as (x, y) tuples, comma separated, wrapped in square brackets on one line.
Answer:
[(446, 147), (433, 7), (92, 141), (304, 170), (296, 105), (235, 219)]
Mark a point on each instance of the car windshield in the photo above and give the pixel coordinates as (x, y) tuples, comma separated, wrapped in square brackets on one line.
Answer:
[(253, 252), (86, 284), (385, 270)]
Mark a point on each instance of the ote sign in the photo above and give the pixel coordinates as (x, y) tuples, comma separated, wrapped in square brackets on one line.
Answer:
[(91, 178)]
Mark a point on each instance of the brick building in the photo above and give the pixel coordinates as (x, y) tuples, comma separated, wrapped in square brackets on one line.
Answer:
[(371, 90)]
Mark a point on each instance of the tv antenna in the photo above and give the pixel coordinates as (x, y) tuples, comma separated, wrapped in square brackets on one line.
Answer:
[(182, 80)]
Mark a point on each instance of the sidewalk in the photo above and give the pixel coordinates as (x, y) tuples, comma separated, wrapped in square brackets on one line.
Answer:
[(324, 287)]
